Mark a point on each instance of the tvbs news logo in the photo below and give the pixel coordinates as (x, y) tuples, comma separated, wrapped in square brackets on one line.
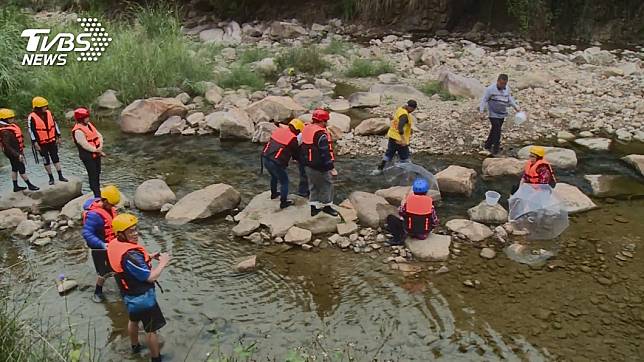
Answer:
[(45, 48)]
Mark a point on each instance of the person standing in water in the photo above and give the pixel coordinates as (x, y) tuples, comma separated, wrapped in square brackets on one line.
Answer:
[(45, 136)]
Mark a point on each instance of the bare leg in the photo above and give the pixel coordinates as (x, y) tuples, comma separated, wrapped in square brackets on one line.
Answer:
[(153, 344), (100, 281), (133, 331), (48, 169), (58, 166), (14, 176)]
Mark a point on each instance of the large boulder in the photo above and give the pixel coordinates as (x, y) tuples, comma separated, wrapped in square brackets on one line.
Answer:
[(108, 101), (488, 214), (309, 98), (457, 180), (145, 115), (471, 229), (614, 185), (372, 209), (398, 92), (10, 200), (236, 125), (341, 121), (263, 132), (434, 248), (558, 157), (172, 125), (274, 108), (74, 208), (460, 86), (57, 195), (321, 223), (11, 218), (396, 194), (364, 99), (372, 126), (266, 66), (151, 195), (538, 79), (573, 199), (493, 167), (285, 30), (211, 36), (594, 143), (204, 203), (635, 161), (297, 236), (26, 228)]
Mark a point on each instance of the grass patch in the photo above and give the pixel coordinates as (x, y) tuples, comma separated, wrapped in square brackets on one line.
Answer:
[(361, 68), (252, 55), (338, 47), (240, 76), (148, 52), (303, 60), (434, 87)]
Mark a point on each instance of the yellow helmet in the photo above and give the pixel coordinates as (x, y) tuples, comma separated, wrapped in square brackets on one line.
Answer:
[(290, 71), (123, 222), (538, 151), (297, 124), (111, 194), (39, 102), (6, 113)]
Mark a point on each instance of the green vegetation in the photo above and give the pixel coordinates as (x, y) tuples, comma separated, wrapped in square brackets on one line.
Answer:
[(251, 55), (239, 76), (303, 60), (434, 87), (337, 47), (148, 51), (361, 68)]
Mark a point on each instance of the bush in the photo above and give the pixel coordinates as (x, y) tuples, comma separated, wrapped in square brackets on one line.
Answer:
[(303, 60), (240, 76), (146, 53), (337, 47), (361, 68), (252, 55), (434, 87)]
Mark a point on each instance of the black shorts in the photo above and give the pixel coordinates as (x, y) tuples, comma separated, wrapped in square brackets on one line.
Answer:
[(99, 256), (152, 318), (49, 152), (16, 165)]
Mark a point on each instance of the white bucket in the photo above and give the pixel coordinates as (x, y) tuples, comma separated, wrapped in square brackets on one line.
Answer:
[(520, 118), (492, 197)]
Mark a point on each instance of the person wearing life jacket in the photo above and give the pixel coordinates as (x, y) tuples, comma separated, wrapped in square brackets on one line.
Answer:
[(90, 148), (399, 134), (317, 147), (418, 215), (537, 170), (276, 155), (98, 214), (45, 136), (136, 278), (13, 147)]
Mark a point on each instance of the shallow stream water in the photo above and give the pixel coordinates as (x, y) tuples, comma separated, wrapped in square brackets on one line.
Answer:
[(584, 305)]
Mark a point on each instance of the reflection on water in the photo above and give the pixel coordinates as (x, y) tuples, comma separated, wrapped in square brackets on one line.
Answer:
[(322, 302)]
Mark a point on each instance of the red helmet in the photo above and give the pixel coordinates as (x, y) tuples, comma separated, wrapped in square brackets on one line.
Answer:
[(320, 115), (81, 113)]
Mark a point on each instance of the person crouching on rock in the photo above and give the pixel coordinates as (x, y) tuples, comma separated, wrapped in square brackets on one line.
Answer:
[(317, 146), (276, 155), (13, 146), (537, 170), (136, 278), (98, 214), (418, 215)]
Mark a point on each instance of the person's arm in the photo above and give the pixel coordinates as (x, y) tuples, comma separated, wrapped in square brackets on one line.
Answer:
[(100, 139), (57, 128), (434, 218), (30, 129), (485, 99), (7, 139), (155, 273), (325, 152), (513, 102), (134, 264), (79, 136), (402, 121), (294, 150), (91, 228)]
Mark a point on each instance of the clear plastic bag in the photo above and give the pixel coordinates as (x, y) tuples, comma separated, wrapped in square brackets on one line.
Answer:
[(536, 209)]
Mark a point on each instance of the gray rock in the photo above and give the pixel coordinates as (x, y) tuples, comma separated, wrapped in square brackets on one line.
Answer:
[(214, 95), (246, 265), (573, 199), (372, 126), (152, 194), (195, 119), (614, 185), (457, 179), (165, 208), (57, 195), (339, 105), (145, 115), (488, 253), (347, 228), (635, 161), (595, 143), (297, 236), (42, 241), (458, 85), (321, 223), (274, 108), (201, 204), (211, 36), (236, 124), (172, 125), (487, 214), (50, 216), (183, 98), (434, 248), (309, 98), (364, 99), (108, 100), (493, 167), (285, 30), (266, 66), (558, 157), (372, 209), (263, 132), (471, 229), (246, 227), (26, 228)]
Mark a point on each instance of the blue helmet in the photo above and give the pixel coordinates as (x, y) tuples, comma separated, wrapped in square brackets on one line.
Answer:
[(420, 186)]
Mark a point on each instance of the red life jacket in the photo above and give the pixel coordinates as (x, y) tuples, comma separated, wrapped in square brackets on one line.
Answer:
[(107, 216), (17, 133), (418, 214), (530, 173), (310, 147), (116, 251), (276, 148), (90, 134), (46, 131)]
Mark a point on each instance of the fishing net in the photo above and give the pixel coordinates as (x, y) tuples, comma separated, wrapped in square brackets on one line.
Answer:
[(536, 209), (404, 174)]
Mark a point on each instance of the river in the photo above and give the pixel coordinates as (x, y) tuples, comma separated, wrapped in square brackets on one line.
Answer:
[(585, 305)]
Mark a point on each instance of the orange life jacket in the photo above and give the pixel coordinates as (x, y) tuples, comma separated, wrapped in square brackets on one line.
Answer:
[(276, 148), (418, 214), (310, 147), (107, 216), (46, 131), (530, 171), (90, 134), (116, 251), (17, 132)]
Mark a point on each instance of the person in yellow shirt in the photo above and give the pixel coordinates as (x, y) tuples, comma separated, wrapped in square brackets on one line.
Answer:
[(399, 134)]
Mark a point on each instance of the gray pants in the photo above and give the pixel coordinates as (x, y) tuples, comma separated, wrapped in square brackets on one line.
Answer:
[(320, 187)]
